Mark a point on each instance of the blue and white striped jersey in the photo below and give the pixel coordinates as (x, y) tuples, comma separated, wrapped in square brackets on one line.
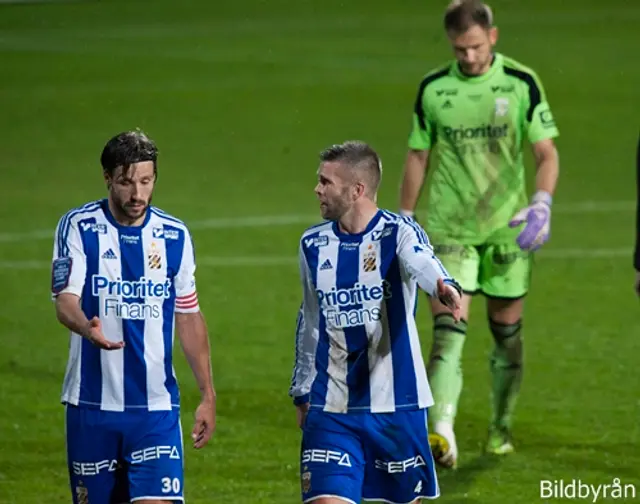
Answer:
[(357, 346), (133, 278)]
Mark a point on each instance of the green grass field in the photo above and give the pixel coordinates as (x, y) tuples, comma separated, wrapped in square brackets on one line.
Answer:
[(240, 97)]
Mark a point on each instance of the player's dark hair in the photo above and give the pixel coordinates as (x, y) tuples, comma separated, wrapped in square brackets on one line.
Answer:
[(463, 14), (128, 148), (358, 156)]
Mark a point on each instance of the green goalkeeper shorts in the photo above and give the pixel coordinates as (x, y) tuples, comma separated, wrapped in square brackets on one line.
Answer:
[(500, 270)]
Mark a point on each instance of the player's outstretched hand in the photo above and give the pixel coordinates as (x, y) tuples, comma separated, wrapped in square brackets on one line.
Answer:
[(94, 334), (301, 413), (637, 285), (450, 297), (205, 423)]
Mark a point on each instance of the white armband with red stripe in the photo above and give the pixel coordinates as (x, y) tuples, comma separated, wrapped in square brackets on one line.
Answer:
[(188, 303)]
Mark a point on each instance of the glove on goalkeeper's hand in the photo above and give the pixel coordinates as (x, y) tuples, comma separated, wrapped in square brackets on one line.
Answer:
[(537, 220)]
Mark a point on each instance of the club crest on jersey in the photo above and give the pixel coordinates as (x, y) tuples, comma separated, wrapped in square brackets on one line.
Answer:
[(155, 259), (369, 260), (502, 106)]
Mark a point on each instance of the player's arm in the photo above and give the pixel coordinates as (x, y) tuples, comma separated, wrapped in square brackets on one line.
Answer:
[(417, 258), (541, 130), (194, 340), (68, 271), (416, 164), (306, 343), (547, 165)]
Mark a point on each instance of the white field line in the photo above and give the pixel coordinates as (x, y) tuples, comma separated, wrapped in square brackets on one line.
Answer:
[(585, 207)]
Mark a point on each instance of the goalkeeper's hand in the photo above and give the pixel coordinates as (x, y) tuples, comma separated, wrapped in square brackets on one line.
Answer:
[(537, 220)]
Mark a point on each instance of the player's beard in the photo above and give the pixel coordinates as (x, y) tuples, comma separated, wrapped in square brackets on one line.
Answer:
[(333, 209), (477, 68), (133, 209)]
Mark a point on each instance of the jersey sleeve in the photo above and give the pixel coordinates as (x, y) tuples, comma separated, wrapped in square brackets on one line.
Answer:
[(539, 121), (423, 130), (69, 265), (417, 258), (185, 280), (306, 338)]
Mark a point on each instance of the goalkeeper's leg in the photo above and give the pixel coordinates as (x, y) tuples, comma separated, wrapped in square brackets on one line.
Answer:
[(505, 323), (445, 379), (444, 370)]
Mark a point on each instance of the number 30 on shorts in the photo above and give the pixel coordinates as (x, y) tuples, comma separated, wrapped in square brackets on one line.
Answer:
[(170, 485)]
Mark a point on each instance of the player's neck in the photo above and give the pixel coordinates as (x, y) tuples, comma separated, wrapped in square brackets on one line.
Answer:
[(483, 71), (358, 218), (122, 218)]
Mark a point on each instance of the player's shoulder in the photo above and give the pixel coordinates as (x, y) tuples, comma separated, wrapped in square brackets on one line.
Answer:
[(392, 219), (518, 70), (160, 215), (166, 225), (404, 226), (436, 75), (315, 231), (80, 212)]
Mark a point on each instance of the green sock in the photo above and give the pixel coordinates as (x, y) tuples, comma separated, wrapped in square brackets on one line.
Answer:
[(444, 370), (506, 370)]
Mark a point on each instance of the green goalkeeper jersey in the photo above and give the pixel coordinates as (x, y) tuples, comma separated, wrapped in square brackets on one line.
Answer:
[(475, 128)]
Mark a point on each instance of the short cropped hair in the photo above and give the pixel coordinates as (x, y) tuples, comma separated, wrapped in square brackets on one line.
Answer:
[(360, 158), (463, 14), (128, 148)]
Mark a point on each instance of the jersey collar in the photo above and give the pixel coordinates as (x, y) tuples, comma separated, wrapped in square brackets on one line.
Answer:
[(357, 236), (105, 208)]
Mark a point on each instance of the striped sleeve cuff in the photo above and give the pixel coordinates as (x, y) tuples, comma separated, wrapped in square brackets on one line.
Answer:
[(188, 303)]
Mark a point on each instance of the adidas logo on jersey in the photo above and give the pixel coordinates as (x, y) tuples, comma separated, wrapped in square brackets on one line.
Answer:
[(109, 254), (326, 265)]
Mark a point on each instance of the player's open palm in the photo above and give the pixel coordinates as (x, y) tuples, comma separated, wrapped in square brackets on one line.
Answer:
[(450, 297), (96, 336), (205, 423)]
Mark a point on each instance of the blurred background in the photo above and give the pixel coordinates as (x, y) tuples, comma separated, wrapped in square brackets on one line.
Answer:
[(240, 97)]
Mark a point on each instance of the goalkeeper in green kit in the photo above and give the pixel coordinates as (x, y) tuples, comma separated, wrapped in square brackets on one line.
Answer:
[(471, 119)]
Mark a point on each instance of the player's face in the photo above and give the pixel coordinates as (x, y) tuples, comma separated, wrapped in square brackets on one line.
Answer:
[(130, 192), (474, 48), (334, 191)]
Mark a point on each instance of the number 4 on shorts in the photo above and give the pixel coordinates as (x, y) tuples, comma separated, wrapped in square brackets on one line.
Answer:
[(418, 487)]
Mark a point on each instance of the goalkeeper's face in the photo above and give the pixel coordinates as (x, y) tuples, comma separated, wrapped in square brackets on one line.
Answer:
[(335, 191), (473, 48), (130, 191)]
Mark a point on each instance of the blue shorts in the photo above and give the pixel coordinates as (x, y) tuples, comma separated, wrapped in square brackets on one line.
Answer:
[(120, 457), (367, 456)]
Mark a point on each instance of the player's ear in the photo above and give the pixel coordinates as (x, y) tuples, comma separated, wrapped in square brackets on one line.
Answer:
[(107, 179), (493, 35)]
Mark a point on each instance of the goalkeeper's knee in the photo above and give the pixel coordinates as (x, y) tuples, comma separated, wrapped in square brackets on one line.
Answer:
[(508, 344)]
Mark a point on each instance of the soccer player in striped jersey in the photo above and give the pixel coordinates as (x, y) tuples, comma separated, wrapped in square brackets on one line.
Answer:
[(123, 275), (471, 119), (359, 382)]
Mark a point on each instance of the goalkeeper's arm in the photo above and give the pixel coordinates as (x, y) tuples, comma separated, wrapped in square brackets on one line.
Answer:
[(415, 170)]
